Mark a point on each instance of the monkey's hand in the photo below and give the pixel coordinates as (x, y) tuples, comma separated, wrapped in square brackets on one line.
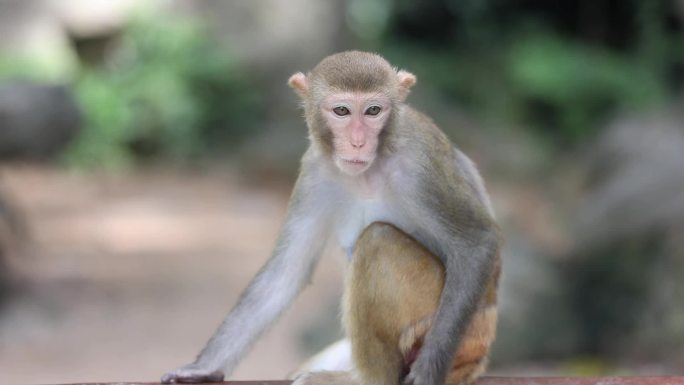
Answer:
[(192, 374), (424, 371)]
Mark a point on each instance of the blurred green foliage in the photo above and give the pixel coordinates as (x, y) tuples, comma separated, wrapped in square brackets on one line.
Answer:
[(166, 91), (163, 90), (559, 89), (570, 87), (560, 69)]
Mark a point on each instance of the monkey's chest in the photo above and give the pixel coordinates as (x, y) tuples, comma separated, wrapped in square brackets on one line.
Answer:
[(356, 218)]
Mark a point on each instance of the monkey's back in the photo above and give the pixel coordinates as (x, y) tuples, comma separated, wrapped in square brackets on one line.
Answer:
[(395, 289)]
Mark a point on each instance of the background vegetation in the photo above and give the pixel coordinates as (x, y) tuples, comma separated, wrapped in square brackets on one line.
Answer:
[(572, 109), (560, 70)]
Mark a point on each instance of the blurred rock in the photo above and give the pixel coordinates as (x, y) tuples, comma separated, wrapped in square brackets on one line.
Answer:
[(93, 26), (93, 17), (53, 35), (626, 274), (535, 321), (273, 32), (636, 179), (12, 232), (30, 30), (37, 121)]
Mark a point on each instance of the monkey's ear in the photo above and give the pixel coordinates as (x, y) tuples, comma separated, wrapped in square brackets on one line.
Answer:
[(300, 84), (406, 81)]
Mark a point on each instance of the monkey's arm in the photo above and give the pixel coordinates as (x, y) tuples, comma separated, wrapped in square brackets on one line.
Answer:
[(456, 227), (270, 292)]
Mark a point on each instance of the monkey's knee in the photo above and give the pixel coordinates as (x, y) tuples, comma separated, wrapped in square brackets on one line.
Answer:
[(374, 238), (391, 247), (394, 280), (383, 257)]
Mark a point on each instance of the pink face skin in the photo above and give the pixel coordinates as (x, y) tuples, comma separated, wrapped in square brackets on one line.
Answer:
[(356, 120)]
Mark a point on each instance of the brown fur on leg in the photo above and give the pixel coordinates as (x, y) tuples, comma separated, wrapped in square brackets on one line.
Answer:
[(393, 281), (393, 291), (394, 288), (472, 356)]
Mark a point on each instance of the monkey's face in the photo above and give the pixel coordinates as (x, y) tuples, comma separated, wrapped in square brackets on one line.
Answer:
[(348, 98), (355, 120)]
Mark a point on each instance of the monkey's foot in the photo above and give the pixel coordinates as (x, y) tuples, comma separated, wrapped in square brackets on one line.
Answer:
[(192, 374), (325, 378)]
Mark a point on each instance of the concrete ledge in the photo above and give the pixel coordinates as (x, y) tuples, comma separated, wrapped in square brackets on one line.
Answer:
[(489, 381)]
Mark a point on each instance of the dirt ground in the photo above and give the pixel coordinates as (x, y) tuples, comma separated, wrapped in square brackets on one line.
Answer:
[(125, 277)]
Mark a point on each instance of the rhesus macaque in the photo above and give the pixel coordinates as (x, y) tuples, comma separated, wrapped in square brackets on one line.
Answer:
[(421, 292)]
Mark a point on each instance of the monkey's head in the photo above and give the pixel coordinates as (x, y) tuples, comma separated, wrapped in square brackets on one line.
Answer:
[(350, 99)]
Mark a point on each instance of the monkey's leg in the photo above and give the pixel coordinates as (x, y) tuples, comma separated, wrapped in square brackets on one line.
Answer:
[(471, 359), (393, 282), (472, 356), (393, 292)]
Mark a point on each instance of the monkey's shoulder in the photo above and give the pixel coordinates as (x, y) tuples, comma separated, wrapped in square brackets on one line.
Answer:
[(423, 130)]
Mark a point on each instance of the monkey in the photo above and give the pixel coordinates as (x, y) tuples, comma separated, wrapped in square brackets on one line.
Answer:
[(371, 158)]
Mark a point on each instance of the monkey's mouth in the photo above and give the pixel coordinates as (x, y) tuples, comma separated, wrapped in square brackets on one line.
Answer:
[(356, 162), (352, 166)]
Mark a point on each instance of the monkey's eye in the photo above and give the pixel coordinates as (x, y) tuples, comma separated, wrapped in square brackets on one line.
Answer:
[(341, 111), (373, 110)]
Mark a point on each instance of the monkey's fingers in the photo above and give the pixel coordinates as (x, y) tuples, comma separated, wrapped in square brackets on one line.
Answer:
[(417, 375), (411, 338), (192, 374)]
